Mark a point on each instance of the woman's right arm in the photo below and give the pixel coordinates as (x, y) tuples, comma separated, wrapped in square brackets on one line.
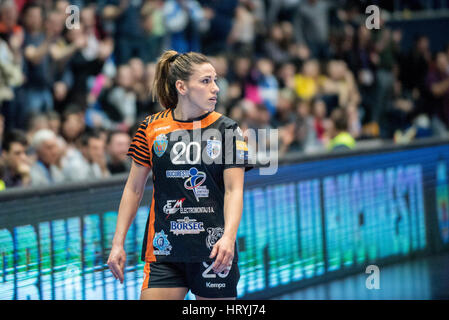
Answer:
[(132, 195)]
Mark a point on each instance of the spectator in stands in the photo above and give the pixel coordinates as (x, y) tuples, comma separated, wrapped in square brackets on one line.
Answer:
[(413, 67), (36, 94), (36, 122), (119, 102), (92, 163), (243, 32), (309, 82), (341, 139), (276, 45), (438, 84), (319, 113), (54, 122), (386, 44), (267, 84), (311, 23), (11, 76), (16, 162), (220, 15), (361, 61), (117, 150), (129, 36), (154, 28), (46, 170), (184, 21), (341, 83), (87, 61)]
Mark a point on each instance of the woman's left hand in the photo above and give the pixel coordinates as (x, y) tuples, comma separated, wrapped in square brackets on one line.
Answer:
[(223, 250)]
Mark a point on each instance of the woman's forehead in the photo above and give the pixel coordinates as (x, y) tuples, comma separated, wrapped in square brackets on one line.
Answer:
[(202, 70)]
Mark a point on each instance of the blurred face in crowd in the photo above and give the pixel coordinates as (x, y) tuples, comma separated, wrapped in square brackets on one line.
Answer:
[(95, 149), (61, 6), (242, 66), (38, 122), (265, 66), (54, 124), (302, 109), (73, 126), (423, 44), (125, 77), (33, 19), (49, 152), (137, 68), (54, 23), (118, 146), (221, 65), (15, 157), (336, 69), (319, 109), (442, 62), (88, 17), (9, 15), (311, 68), (276, 33)]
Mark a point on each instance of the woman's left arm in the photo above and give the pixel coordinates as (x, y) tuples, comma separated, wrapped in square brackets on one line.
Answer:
[(223, 250)]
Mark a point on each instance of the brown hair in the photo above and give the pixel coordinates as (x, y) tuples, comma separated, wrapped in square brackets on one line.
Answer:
[(170, 67)]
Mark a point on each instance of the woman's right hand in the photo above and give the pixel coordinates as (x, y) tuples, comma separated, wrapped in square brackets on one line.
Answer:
[(116, 262)]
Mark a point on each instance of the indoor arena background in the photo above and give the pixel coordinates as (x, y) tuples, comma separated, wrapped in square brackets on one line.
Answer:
[(311, 230)]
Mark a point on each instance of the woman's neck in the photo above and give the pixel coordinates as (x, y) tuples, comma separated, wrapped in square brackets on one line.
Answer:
[(184, 113)]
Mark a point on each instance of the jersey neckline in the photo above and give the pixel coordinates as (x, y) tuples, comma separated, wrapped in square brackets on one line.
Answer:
[(192, 120)]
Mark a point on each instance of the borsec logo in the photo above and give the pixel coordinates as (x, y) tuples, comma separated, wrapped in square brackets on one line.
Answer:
[(186, 226)]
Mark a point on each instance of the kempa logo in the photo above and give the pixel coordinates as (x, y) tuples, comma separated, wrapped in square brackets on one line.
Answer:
[(215, 285)]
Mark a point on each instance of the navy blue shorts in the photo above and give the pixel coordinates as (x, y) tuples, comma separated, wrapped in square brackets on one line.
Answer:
[(196, 276)]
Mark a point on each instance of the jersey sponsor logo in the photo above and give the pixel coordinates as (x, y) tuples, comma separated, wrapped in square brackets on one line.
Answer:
[(161, 244), (213, 236), (177, 173), (242, 150), (215, 285), (160, 145), (194, 183), (173, 206), (186, 226), (161, 128), (213, 148)]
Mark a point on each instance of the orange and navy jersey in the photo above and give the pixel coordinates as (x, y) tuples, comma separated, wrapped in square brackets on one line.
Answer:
[(187, 159)]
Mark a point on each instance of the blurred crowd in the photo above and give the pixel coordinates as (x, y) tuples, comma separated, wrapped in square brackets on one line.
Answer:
[(73, 88)]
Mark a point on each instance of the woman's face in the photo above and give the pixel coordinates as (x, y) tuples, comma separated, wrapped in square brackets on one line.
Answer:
[(202, 89)]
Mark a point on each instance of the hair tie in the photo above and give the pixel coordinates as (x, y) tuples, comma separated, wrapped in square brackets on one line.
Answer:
[(173, 58)]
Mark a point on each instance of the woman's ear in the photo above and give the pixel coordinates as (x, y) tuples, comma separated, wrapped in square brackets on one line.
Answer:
[(181, 87)]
